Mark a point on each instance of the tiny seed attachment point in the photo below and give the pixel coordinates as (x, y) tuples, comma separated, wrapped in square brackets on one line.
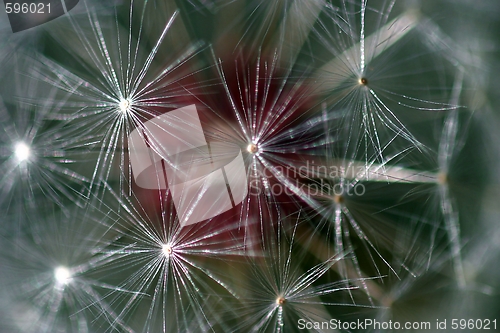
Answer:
[(125, 105), (363, 81), (62, 275), (338, 199), (252, 148), (442, 178), (22, 151), (281, 301), (167, 250)]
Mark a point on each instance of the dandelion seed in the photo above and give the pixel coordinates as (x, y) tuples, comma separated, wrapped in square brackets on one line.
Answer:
[(283, 287), (366, 77), (176, 266), (344, 216), (130, 85), (37, 155), (265, 110), (60, 298)]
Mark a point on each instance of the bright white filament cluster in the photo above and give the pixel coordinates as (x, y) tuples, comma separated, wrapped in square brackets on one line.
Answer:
[(62, 275), (125, 105), (22, 151), (167, 250), (252, 148)]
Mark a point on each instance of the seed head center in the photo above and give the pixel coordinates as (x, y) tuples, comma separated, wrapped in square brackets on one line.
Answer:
[(125, 105), (167, 250), (252, 148), (62, 275), (338, 199), (22, 151), (442, 178)]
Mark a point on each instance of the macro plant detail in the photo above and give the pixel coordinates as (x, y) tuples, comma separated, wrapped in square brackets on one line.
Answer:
[(250, 166)]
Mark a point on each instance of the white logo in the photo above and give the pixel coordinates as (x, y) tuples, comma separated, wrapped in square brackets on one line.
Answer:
[(205, 179)]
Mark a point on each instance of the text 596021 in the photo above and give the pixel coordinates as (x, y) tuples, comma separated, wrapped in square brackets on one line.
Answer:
[(474, 324), (25, 8)]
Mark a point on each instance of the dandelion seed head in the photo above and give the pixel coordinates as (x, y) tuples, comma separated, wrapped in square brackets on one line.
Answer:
[(62, 275), (22, 151)]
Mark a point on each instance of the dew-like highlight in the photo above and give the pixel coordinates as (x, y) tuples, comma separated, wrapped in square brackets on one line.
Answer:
[(252, 148), (62, 275), (22, 151), (125, 105)]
